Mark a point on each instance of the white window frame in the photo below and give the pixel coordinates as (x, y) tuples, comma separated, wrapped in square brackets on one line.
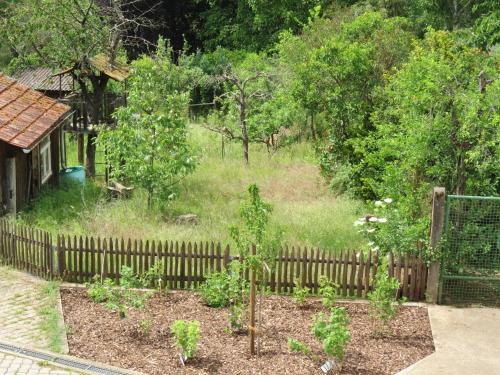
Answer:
[(45, 160)]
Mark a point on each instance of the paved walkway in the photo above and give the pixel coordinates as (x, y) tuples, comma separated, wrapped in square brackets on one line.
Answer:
[(19, 309), (20, 303), (467, 342), (17, 365)]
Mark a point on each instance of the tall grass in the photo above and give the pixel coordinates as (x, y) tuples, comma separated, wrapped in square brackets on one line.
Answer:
[(307, 212)]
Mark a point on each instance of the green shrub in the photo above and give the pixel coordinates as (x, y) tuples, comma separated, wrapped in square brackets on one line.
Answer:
[(236, 316), (118, 297), (99, 291), (300, 294), (153, 277), (333, 331), (224, 288), (327, 290), (297, 346), (214, 290), (383, 304), (128, 279), (186, 334)]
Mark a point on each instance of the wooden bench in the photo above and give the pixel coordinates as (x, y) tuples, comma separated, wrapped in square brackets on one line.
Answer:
[(117, 190)]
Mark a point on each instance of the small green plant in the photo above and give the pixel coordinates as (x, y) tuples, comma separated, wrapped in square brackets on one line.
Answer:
[(327, 290), (153, 277), (236, 316), (383, 300), (99, 291), (297, 346), (128, 279), (118, 297), (300, 293), (224, 288), (214, 291), (186, 334), (145, 326), (333, 332)]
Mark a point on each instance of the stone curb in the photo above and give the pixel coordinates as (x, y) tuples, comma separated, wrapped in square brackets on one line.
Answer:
[(67, 357), (62, 324)]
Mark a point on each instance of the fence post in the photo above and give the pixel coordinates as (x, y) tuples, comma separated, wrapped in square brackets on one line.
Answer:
[(437, 225)]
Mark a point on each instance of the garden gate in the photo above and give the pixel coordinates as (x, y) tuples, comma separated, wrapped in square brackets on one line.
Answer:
[(470, 272)]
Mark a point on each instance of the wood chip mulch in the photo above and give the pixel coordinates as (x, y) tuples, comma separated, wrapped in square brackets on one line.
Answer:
[(98, 334)]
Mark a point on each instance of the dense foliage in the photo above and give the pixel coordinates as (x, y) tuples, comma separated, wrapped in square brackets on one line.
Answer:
[(148, 147), (396, 96)]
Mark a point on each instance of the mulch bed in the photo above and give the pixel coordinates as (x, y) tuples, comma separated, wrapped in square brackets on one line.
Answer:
[(98, 334)]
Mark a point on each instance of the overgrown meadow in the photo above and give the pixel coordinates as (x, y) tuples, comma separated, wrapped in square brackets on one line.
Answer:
[(304, 209)]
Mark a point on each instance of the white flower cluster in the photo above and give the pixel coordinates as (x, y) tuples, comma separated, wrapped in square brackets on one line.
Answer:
[(381, 203), (372, 219)]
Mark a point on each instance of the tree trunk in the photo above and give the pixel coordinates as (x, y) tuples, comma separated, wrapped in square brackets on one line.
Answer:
[(90, 161), (81, 148), (244, 133), (313, 128), (95, 100)]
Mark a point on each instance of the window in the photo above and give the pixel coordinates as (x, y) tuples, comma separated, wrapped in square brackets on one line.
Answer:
[(45, 160)]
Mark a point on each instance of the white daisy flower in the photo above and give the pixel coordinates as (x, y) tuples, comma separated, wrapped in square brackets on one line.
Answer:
[(373, 219), (388, 200)]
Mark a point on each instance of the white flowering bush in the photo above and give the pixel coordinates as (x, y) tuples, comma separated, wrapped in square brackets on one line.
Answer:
[(390, 227)]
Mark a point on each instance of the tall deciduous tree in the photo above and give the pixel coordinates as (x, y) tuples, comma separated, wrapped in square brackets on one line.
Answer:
[(67, 34), (438, 124), (246, 84), (148, 147)]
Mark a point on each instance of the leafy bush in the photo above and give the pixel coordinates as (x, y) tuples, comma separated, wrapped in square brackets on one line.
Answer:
[(333, 332), (236, 316), (297, 346), (300, 294), (118, 297), (327, 289), (153, 277), (187, 334), (383, 299), (221, 289), (214, 290), (99, 291), (128, 279)]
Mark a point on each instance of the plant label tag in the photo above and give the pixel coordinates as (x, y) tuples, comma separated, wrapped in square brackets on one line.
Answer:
[(183, 359), (327, 366)]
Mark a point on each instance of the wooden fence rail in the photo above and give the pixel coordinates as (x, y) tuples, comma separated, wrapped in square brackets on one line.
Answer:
[(184, 265)]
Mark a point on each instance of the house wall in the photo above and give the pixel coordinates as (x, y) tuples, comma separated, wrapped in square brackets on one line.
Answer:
[(28, 182)]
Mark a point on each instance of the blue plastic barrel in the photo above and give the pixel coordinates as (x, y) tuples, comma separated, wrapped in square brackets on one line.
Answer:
[(74, 173)]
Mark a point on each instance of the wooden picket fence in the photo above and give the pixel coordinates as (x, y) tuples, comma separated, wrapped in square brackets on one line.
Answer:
[(26, 248), (184, 265)]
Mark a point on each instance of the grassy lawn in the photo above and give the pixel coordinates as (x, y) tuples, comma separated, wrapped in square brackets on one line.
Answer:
[(307, 212)]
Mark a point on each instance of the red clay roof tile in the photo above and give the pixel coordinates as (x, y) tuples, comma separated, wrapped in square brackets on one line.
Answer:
[(26, 115)]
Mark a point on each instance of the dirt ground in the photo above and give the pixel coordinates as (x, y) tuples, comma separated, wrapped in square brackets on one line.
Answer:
[(98, 334)]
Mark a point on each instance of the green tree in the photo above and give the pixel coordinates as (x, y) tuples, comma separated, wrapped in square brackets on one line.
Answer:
[(246, 83), (66, 34), (148, 147), (254, 24), (437, 124)]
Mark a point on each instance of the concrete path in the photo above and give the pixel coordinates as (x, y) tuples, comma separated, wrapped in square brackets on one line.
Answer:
[(16, 365), (20, 306), (21, 301), (467, 342)]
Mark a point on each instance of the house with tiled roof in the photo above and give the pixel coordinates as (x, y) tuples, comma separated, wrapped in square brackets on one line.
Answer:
[(30, 142)]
